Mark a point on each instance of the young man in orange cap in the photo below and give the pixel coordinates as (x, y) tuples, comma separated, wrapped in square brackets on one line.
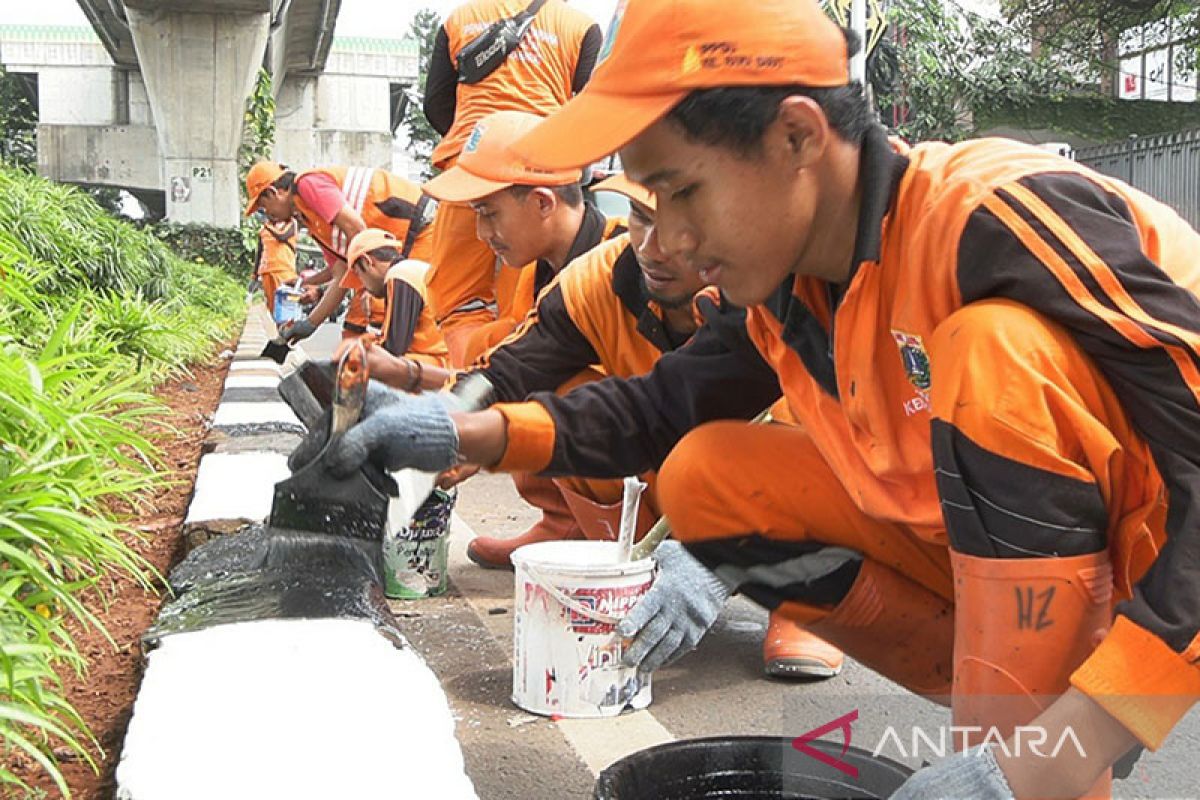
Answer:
[(335, 203), (994, 358), (275, 257), (536, 222), (409, 353), (551, 64)]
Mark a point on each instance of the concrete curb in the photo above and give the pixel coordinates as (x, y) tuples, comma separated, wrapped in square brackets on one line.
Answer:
[(245, 454)]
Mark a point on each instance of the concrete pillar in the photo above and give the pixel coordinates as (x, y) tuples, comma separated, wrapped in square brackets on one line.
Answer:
[(199, 69)]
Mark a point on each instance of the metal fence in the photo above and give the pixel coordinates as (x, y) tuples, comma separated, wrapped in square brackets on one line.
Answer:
[(1166, 167)]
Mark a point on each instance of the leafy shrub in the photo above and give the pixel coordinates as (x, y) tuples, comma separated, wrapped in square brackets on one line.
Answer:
[(93, 312)]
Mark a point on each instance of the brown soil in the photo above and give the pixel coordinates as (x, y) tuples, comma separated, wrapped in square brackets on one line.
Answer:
[(104, 696)]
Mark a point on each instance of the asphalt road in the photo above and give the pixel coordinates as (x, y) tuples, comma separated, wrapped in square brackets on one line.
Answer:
[(719, 689)]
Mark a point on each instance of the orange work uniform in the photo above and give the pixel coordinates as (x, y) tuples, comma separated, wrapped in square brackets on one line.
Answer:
[(524, 284), (276, 258), (595, 312), (385, 201), (539, 77), (409, 329), (1012, 369)]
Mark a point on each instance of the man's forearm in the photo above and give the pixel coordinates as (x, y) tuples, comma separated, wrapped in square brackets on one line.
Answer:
[(324, 276), (482, 436), (1067, 773), (333, 296)]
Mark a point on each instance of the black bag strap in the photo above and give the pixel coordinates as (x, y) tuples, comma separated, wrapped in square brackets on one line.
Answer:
[(415, 226), (530, 11)]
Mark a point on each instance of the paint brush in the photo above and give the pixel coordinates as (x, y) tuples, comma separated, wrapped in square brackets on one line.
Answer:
[(630, 501)]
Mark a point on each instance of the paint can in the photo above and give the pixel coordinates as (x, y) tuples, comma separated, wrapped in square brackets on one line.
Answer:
[(570, 595), (416, 555), (287, 304)]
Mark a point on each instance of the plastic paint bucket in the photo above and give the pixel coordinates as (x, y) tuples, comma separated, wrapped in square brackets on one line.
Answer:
[(566, 652), (287, 304), (416, 556), (749, 768)]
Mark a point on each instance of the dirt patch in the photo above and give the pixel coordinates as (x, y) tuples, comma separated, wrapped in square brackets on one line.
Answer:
[(104, 696)]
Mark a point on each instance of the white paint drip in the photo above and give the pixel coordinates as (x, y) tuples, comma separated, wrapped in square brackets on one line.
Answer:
[(263, 412), (236, 486), (297, 709)]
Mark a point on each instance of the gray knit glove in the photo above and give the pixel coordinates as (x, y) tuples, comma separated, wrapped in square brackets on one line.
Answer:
[(396, 430), (971, 775), (294, 331), (682, 604)]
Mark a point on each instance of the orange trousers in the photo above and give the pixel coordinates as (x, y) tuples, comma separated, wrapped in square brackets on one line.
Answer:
[(271, 281), (461, 281), (1031, 449)]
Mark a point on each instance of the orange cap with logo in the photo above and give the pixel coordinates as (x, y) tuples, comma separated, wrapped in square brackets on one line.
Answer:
[(488, 164), (621, 185), (260, 176), (658, 51), (364, 242)]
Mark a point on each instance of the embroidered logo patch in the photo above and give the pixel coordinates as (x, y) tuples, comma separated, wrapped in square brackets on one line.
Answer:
[(613, 28), (476, 134), (914, 358)]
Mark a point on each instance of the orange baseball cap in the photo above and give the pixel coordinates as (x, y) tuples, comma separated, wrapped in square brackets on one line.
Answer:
[(621, 185), (260, 176), (364, 242), (488, 164), (658, 51)]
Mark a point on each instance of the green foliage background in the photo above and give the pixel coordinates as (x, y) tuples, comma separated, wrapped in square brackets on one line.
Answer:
[(93, 313)]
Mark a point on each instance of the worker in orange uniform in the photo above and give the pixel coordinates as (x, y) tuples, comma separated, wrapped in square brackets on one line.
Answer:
[(621, 306), (409, 352), (536, 222), (336, 203), (275, 257), (552, 62), (993, 356)]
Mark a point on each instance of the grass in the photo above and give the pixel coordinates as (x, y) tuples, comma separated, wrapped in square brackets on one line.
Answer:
[(93, 314)]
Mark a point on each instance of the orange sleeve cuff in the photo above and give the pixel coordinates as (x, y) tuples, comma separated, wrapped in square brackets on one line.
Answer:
[(530, 437), (1138, 679)]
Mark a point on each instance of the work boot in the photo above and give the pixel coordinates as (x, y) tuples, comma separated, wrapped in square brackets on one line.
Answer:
[(789, 651), (896, 627), (601, 522), (1022, 627), (557, 524)]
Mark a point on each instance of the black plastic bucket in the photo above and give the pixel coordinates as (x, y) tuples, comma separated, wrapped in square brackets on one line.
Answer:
[(747, 768)]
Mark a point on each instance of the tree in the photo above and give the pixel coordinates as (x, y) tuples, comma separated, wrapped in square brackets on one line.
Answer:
[(953, 63), (421, 135), (18, 122), (258, 142)]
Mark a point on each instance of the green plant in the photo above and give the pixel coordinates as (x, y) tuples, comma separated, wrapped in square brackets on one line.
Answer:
[(93, 312)]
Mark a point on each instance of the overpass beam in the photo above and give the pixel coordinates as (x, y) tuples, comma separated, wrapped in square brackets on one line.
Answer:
[(199, 68)]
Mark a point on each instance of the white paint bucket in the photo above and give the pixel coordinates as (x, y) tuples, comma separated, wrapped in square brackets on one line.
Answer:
[(570, 595)]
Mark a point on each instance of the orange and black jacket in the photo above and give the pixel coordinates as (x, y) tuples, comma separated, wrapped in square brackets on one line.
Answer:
[(553, 62), (942, 226), (408, 328), (596, 311)]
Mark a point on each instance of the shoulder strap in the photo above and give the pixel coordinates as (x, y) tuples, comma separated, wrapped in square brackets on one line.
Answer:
[(414, 226), (532, 9)]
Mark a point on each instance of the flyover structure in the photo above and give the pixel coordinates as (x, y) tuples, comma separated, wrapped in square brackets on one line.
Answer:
[(151, 98)]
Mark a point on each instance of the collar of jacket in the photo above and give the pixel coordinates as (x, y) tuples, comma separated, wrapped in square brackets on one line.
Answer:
[(880, 171), (590, 234)]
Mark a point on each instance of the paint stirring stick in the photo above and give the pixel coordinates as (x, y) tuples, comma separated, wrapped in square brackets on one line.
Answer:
[(629, 513)]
